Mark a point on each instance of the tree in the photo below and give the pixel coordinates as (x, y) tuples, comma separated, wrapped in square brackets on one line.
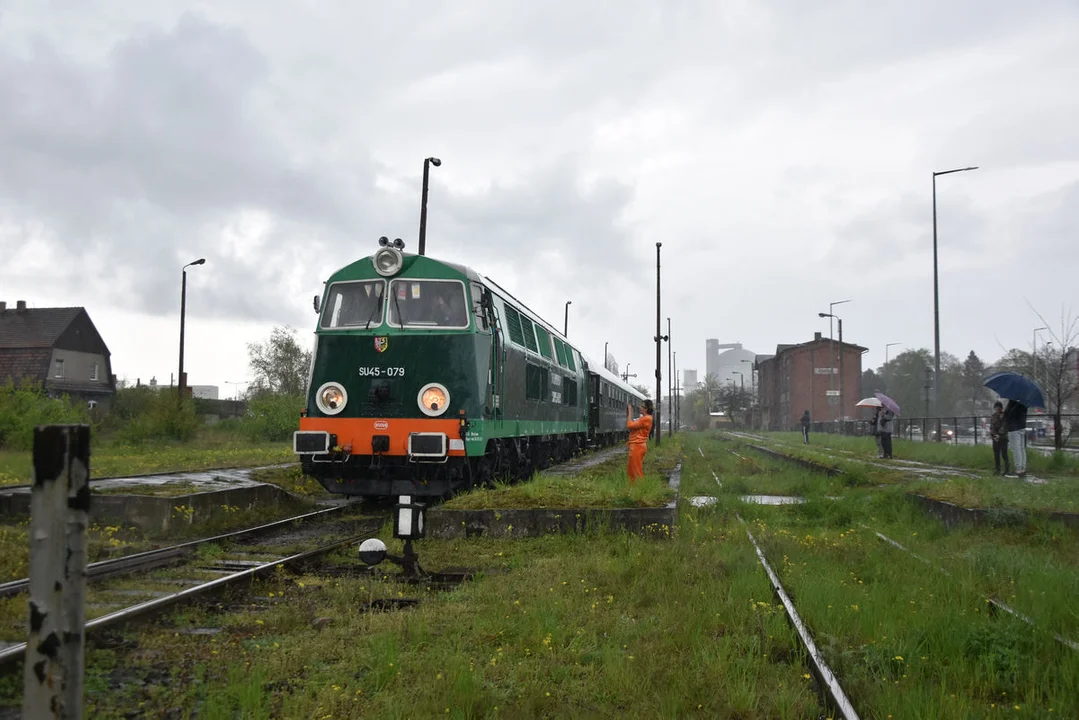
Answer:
[(642, 389), (871, 383), (1060, 361), (973, 375), (280, 366), (905, 377)]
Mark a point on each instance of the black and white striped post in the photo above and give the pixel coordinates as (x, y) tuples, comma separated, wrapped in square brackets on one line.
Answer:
[(59, 512)]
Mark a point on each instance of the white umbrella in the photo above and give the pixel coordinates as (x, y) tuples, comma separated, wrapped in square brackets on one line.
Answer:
[(869, 402)]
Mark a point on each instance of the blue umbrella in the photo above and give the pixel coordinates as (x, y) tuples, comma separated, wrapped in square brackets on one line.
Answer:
[(1013, 386)]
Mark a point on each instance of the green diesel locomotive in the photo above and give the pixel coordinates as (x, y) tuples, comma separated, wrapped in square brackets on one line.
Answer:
[(428, 378)]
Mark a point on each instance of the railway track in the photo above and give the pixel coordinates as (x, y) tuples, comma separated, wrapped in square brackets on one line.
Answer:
[(159, 557), (995, 603), (205, 577)]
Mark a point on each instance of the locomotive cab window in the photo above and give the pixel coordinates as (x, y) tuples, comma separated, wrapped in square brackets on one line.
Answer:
[(354, 304), (428, 304)]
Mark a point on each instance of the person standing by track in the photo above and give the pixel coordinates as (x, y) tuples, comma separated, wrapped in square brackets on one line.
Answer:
[(1000, 438), (805, 427), (1015, 423), (638, 439)]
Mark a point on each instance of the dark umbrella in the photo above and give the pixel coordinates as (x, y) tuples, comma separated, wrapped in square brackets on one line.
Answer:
[(887, 402), (1016, 387)]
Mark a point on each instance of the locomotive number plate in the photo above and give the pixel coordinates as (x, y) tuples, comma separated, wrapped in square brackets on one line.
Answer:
[(382, 372)]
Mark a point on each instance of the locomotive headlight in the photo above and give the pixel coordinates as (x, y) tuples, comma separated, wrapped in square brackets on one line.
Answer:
[(433, 399), (388, 261), (331, 398)]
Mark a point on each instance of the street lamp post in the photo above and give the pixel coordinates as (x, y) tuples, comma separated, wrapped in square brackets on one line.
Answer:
[(565, 323), (659, 353), (427, 163), (936, 300), (182, 381), (670, 383), (606, 360), (677, 393), (831, 349), (886, 353), (840, 321), (1034, 351)]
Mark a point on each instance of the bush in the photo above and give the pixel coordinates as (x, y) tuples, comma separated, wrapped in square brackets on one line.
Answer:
[(144, 413), (272, 418), (23, 407)]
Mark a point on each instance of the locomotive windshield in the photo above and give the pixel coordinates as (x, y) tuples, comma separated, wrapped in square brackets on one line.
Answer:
[(354, 304), (428, 303)]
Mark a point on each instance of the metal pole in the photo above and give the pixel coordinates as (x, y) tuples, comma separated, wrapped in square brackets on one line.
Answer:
[(936, 302), (606, 360), (839, 321), (565, 323), (677, 393), (59, 508), (183, 311), (670, 381), (936, 313), (659, 350), (427, 163), (423, 206)]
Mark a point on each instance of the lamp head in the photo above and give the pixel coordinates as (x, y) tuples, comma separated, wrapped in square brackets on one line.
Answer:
[(434, 161)]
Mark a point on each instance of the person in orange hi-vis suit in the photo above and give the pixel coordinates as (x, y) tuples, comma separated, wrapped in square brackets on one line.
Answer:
[(639, 430)]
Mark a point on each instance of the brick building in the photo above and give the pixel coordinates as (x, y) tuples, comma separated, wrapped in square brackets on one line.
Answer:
[(800, 377)]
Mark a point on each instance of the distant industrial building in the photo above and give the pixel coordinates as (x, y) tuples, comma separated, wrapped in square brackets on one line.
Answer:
[(206, 392), (725, 361), (689, 381), (808, 376)]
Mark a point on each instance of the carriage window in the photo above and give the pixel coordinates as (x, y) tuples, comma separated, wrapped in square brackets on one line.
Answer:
[(428, 303), (353, 304)]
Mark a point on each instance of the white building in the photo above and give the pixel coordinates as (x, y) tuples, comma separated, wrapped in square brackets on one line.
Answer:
[(726, 361)]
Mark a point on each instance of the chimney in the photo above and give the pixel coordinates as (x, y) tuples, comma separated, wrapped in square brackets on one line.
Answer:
[(3, 306), (20, 305), (816, 337)]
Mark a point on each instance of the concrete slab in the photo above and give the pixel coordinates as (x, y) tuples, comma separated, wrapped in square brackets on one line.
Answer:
[(160, 513), (952, 515), (533, 522)]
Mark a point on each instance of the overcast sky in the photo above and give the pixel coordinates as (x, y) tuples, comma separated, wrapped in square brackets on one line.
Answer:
[(781, 151)]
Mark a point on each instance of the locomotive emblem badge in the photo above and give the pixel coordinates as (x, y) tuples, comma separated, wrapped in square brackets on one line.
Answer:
[(381, 343)]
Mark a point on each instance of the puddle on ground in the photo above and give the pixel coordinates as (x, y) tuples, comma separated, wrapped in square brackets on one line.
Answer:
[(707, 500), (772, 499), (199, 480)]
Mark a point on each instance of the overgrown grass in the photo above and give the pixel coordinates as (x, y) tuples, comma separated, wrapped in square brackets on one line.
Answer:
[(602, 485), (566, 626), (974, 457), (905, 638), (1060, 493), (209, 451)]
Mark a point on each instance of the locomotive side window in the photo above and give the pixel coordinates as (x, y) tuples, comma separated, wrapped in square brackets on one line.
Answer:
[(536, 382), (544, 339), (513, 321), (560, 349), (354, 304), (569, 392), (529, 333), (428, 303)]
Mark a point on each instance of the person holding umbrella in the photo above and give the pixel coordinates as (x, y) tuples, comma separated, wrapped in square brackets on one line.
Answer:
[(1022, 393), (884, 422), (874, 425), (1015, 422)]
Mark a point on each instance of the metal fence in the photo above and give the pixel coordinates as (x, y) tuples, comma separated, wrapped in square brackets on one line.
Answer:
[(959, 429)]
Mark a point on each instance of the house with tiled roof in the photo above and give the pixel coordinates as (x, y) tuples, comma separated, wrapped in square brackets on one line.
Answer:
[(57, 347)]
